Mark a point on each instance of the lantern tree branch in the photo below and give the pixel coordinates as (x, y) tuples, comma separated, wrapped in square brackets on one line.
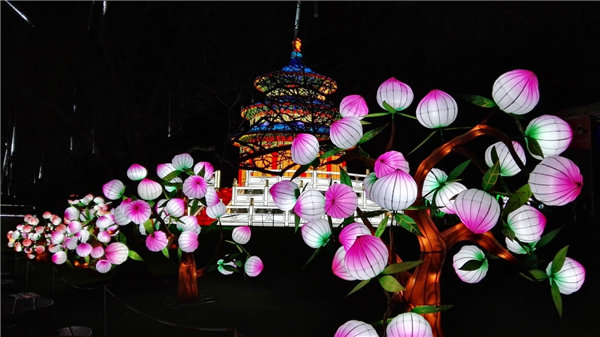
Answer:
[(460, 232)]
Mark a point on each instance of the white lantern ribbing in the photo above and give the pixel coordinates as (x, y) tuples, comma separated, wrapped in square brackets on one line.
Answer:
[(552, 133), (367, 257), (241, 234), (338, 265), (349, 233), (436, 110), (508, 165), (346, 132), (354, 105), (188, 241), (477, 209), (305, 148), (149, 189), (516, 91), (316, 233), (354, 328), (555, 181), (395, 191), (527, 223), (116, 253), (310, 205), (284, 194), (434, 179), (443, 197), (396, 94), (466, 254), (183, 161), (569, 278), (409, 324), (390, 161), (113, 189), (136, 172), (253, 266)]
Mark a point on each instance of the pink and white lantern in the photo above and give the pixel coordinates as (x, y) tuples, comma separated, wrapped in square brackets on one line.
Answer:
[(116, 253), (350, 232), (310, 205), (368, 182), (354, 105), (83, 249), (103, 266), (176, 207), (444, 196), (253, 266), (508, 165), (437, 110), (149, 189), (434, 179), (305, 148), (241, 234), (395, 93), (338, 265), (59, 257), (113, 189), (477, 209), (552, 133), (163, 170), (389, 162), (188, 241), (527, 223), (211, 196), (346, 132), (284, 194), (394, 191), (136, 172), (516, 248), (316, 233), (194, 187), (208, 169), (156, 241), (367, 257), (556, 181), (216, 211), (569, 278), (354, 328), (516, 91), (466, 254), (182, 161), (409, 324), (138, 211), (340, 201)]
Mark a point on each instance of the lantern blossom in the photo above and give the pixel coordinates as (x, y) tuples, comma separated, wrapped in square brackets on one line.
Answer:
[(207, 167), (163, 170), (149, 189), (508, 165), (395, 191), (194, 187), (527, 223), (103, 266), (84, 249), (119, 215), (188, 241), (216, 211), (409, 324), (138, 211), (136, 172), (340, 201), (175, 207), (569, 278), (552, 134), (350, 232), (113, 189), (354, 105), (338, 265), (253, 266), (465, 254), (346, 132), (389, 162), (310, 205), (395, 93), (555, 181), (102, 222), (516, 91), (59, 257), (305, 148), (437, 110), (284, 194), (182, 161), (354, 328), (211, 196), (316, 233), (71, 213), (156, 241), (477, 210), (241, 234), (188, 223), (434, 180), (444, 195), (367, 257), (97, 252), (116, 253)]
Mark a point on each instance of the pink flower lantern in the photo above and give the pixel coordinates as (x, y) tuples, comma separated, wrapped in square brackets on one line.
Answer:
[(119, 215), (216, 211), (253, 266), (508, 165), (175, 207), (569, 278), (163, 170), (211, 196), (437, 110), (136, 172), (116, 253), (527, 223), (355, 328), (241, 234), (552, 133), (208, 169), (316, 233), (346, 132), (354, 105), (284, 194), (194, 187), (59, 257), (367, 257), (102, 222), (516, 91), (305, 148), (338, 265), (555, 181), (395, 191), (182, 161), (389, 162), (84, 249), (409, 324), (138, 211), (466, 254), (310, 205), (444, 196), (97, 252), (156, 241), (350, 232), (103, 266), (188, 223), (477, 210), (434, 180), (395, 93), (149, 189), (188, 241), (340, 201), (113, 189), (71, 213)]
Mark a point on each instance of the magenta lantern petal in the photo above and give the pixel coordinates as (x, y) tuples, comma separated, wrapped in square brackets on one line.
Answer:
[(116, 253), (338, 265), (305, 148), (59, 257), (409, 324), (156, 241), (138, 211), (389, 162), (395, 191), (182, 161), (354, 105), (569, 278), (194, 187), (97, 252), (466, 254), (149, 189), (346, 132), (508, 165), (188, 241), (136, 172), (188, 223), (434, 179), (527, 223), (113, 189), (552, 133), (103, 266), (350, 232), (316, 233), (477, 209), (368, 182), (340, 201), (241, 234), (355, 328), (216, 211), (211, 196), (443, 197), (208, 169), (516, 91), (163, 170), (84, 249), (395, 93), (75, 226), (310, 205), (367, 257), (284, 194), (437, 110), (556, 181), (175, 207), (253, 266)]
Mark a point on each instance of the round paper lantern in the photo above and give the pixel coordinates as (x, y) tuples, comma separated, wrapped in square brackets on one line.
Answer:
[(211, 196), (59, 257), (508, 165), (102, 222), (355, 328), (284, 194), (354, 105), (368, 182), (409, 324), (305, 148), (395, 191), (138, 211), (188, 241), (340, 201), (555, 181), (149, 189), (516, 91), (156, 241), (527, 223), (389, 162), (103, 266), (350, 232), (241, 234), (395, 93), (83, 249), (516, 248), (188, 223), (216, 211), (367, 257), (338, 265), (437, 110), (310, 205), (569, 278), (113, 189), (253, 266), (119, 215), (346, 132), (194, 187), (116, 253), (163, 170), (97, 252), (175, 207), (477, 210), (552, 133), (316, 233), (70, 243), (182, 161), (136, 172), (443, 197), (56, 237), (208, 169), (466, 254), (75, 226), (434, 179), (71, 213)]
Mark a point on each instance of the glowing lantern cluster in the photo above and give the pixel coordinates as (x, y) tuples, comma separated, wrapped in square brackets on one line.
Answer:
[(394, 191), (508, 165), (527, 223), (409, 324), (354, 328), (477, 210), (569, 278), (316, 233), (305, 148), (516, 91), (465, 254), (340, 201), (396, 94), (555, 181), (389, 162), (346, 132), (552, 134), (437, 110)]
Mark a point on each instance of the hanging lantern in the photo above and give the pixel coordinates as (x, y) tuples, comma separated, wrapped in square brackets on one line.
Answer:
[(508, 165), (395, 93), (241, 234), (194, 187), (116, 253), (350, 232), (211, 196), (395, 191), (102, 222), (555, 181), (163, 170), (437, 110), (445, 195), (207, 167), (316, 233), (466, 254), (305, 148), (409, 324), (189, 223), (552, 133), (97, 252), (389, 162), (368, 182), (119, 215), (284, 194), (477, 210), (175, 207), (434, 180), (340, 201), (103, 266), (83, 249), (188, 241), (569, 278), (216, 211), (367, 257), (136, 172), (527, 223), (516, 91), (138, 211), (354, 105), (338, 265), (71, 213), (156, 241), (310, 205), (253, 266), (346, 132), (149, 189), (355, 328), (182, 161)]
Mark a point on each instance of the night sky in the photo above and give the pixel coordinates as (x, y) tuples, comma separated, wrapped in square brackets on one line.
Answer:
[(110, 82)]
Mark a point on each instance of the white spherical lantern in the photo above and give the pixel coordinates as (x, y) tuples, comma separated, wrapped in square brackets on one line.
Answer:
[(189, 223), (368, 182), (466, 254), (103, 266), (216, 211), (390, 161), (552, 133), (395, 191), (354, 328), (149, 189), (175, 207), (305, 148), (350, 232), (346, 132), (284, 194), (163, 170), (340, 201), (508, 165), (516, 91), (434, 179), (367, 257), (194, 187), (516, 248), (310, 205), (157, 241), (338, 265), (409, 324), (354, 105), (437, 110), (188, 241), (316, 233), (207, 167), (136, 172), (444, 196), (569, 278), (556, 181), (477, 209), (113, 189), (396, 94), (182, 161), (253, 266), (527, 223), (241, 234)]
